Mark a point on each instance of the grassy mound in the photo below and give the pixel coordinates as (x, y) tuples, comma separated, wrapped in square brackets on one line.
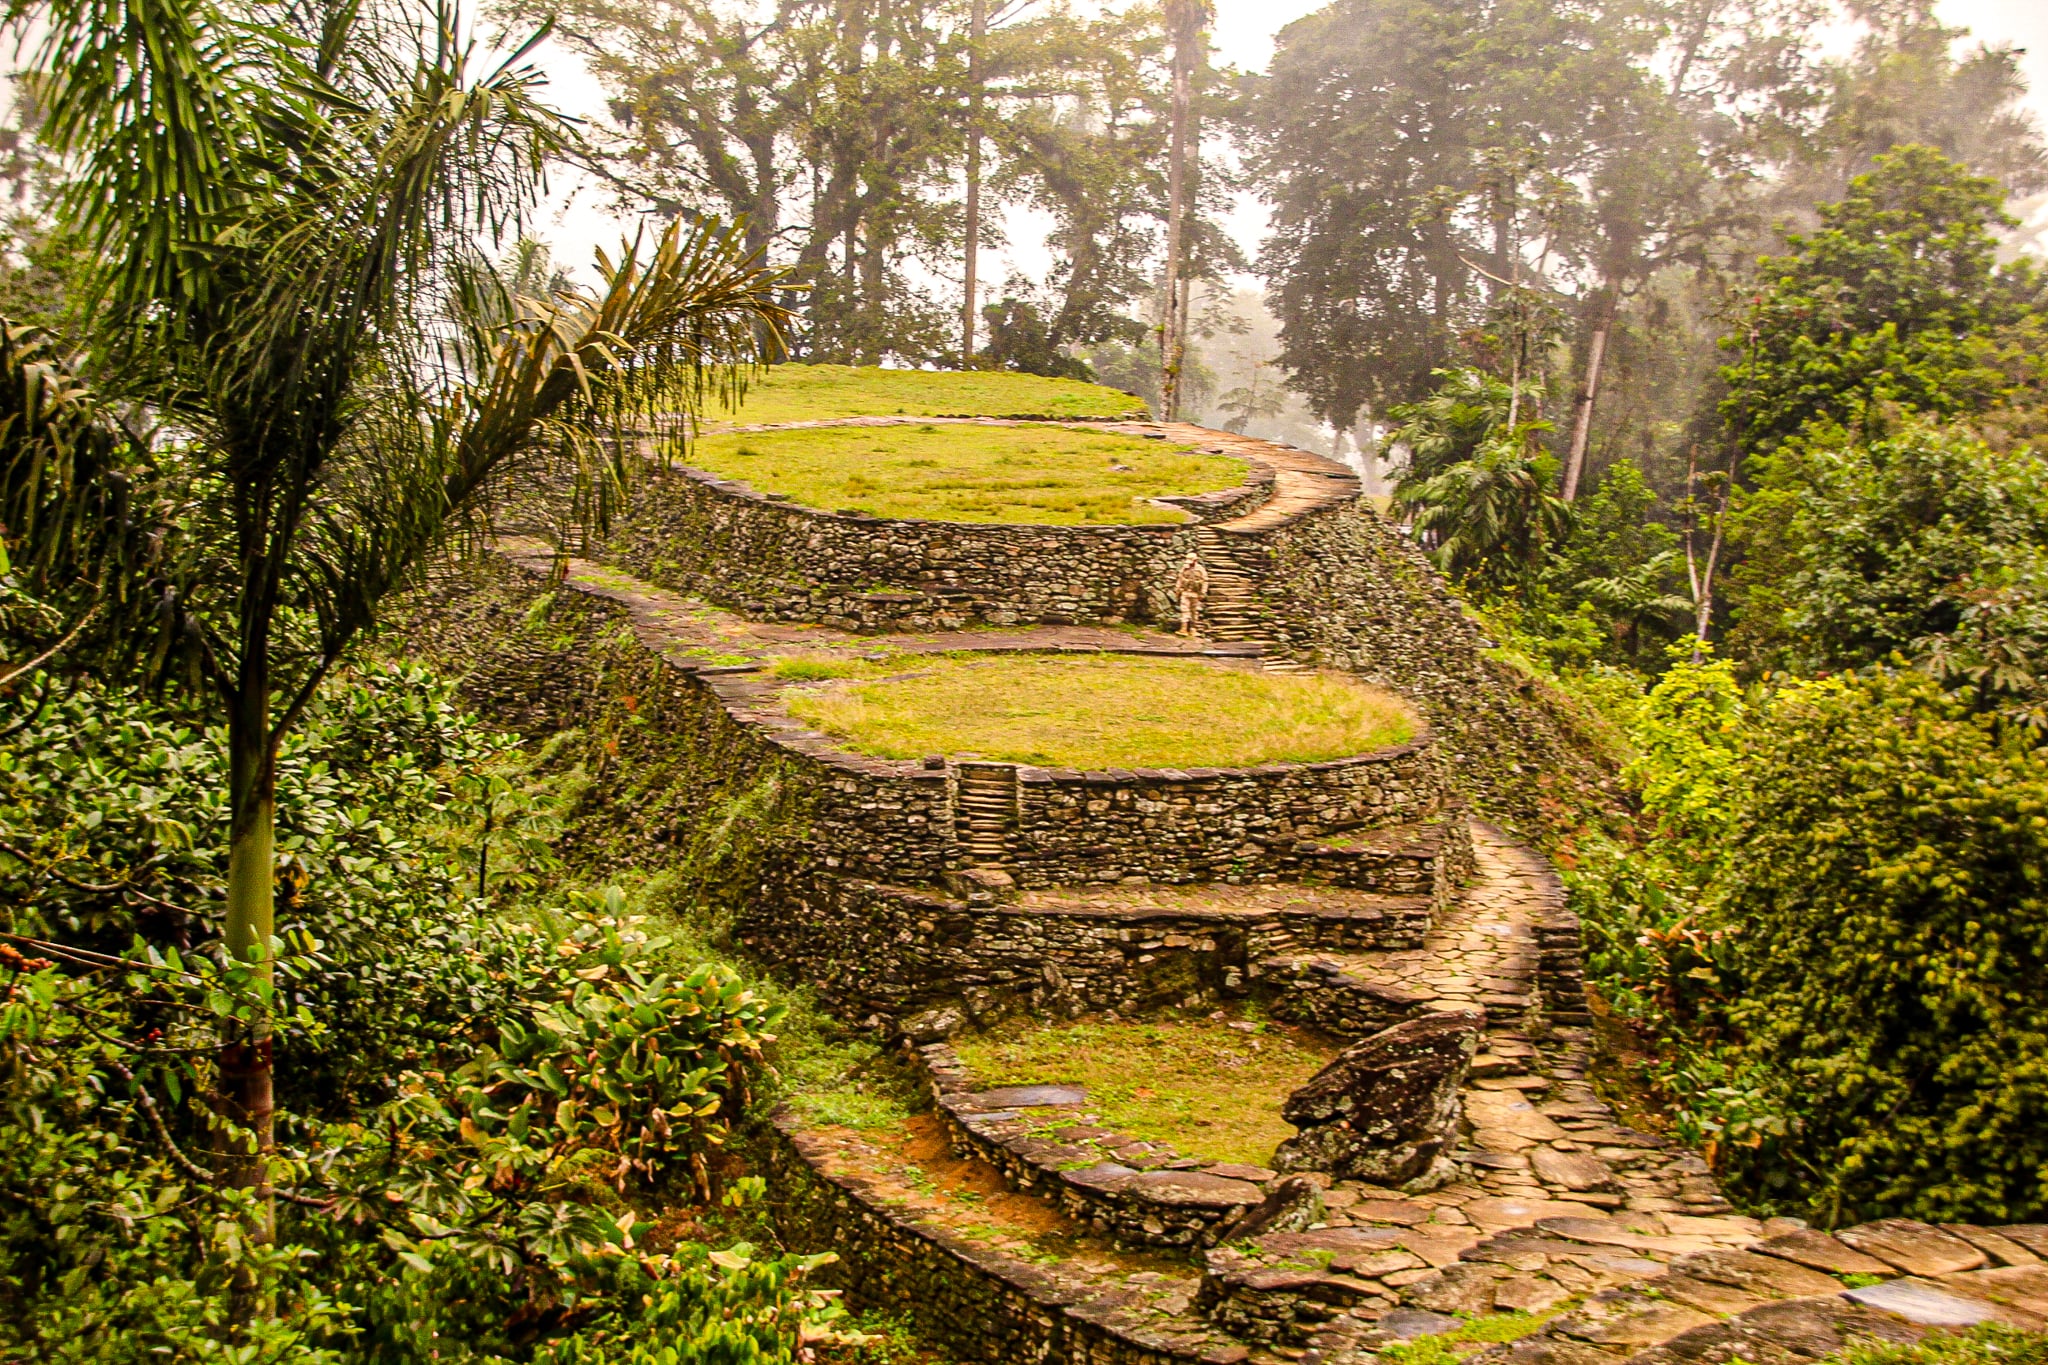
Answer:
[(1111, 712), (1211, 1090), (971, 473), (808, 393)]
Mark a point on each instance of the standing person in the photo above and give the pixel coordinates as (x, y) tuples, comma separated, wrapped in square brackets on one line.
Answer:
[(1192, 589)]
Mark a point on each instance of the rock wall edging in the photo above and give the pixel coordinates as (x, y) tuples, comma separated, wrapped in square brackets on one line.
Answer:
[(758, 553), (972, 1300)]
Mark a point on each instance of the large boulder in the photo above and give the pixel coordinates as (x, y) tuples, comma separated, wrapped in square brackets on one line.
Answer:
[(1387, 1109)]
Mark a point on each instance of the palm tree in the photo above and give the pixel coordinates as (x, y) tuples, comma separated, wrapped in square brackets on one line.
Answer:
[(1474, 487), (322, 379), (1490, 518), (1636, 604)]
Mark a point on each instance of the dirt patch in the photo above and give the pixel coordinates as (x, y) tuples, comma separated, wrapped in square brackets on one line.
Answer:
[(922, 1142)]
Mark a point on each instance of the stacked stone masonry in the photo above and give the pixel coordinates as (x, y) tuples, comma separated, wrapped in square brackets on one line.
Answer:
[(894, 820), (872, 948), (721, 539)]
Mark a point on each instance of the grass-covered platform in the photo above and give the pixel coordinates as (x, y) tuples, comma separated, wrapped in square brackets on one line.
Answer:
[(1106, 712), (1023, 474), (1211, 1089), (810, 393)]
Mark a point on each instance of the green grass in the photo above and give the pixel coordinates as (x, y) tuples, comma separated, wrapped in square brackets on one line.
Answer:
[(809, 393), (971, 473), (1109, 712), (1210, 1090), (1448, 1348), (1987, 1345)]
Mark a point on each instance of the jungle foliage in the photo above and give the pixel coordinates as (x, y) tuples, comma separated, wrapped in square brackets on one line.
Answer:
[(480, 1112)]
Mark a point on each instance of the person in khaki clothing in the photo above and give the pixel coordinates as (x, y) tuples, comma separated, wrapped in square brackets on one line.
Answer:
[(1192, 590)]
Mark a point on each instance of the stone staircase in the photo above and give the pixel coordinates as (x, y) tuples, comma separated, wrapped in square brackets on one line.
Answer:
[(1232, 609), (984, 812), (1232, 612)]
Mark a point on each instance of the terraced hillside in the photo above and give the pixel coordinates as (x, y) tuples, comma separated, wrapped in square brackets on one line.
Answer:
[(1113, 968)]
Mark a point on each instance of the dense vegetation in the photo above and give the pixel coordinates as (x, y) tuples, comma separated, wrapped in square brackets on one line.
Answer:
[(483, 1116), (1825, 922), (1695, 352)]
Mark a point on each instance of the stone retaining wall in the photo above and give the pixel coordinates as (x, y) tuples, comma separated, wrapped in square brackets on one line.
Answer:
[(876, 949), (1345, 589), (722, 540), (1320, 993), (545, 659), (972, 1301), (1209, 824)]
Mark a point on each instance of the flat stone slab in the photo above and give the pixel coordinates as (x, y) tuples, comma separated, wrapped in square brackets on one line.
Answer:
[(1573, 1170), (1030, 1097), (1997, 1246), (1792, 1330), (1925, 1304), (1406, 1324), (1339, 1240), (1765, 1276), (1596, 1231), (1629, 1319), (2032, 1236), (1107, 1176), (1192, 1189), (1237, 1170), (2020, 1286), (1822, 1252), (1398, 1211), (1915, 1248)]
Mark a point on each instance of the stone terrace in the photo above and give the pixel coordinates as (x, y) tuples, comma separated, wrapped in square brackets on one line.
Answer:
[(1616, 1240), (1012, 1224)]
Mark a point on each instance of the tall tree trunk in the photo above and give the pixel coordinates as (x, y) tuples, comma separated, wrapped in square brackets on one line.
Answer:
[(977, 29), (245, 1097), (1184, 26), (1589, 392)]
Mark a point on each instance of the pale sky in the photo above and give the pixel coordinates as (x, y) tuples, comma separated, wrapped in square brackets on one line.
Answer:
[(577, 218)]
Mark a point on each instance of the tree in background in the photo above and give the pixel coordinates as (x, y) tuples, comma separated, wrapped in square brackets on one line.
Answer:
[(283, 219), (1185, 20), (1420, 156), (1637, 155), (1895, 301), (840, 134)]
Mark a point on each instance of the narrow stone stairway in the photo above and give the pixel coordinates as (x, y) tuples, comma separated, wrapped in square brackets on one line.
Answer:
[(984, 812), (1231, 611)]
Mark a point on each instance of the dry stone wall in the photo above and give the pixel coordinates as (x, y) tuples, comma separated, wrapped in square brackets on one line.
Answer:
[(1322, 578), (1344, 589), (761, 554), (1210, 824), (545, 659), (873, 949), (979, 1304)]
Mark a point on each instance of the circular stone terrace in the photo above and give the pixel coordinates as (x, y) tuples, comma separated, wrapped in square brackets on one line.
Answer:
[(1055, 756), (1117, 902)]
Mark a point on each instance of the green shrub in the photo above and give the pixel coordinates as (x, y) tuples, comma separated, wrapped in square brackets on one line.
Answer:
[(1883, 889)]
